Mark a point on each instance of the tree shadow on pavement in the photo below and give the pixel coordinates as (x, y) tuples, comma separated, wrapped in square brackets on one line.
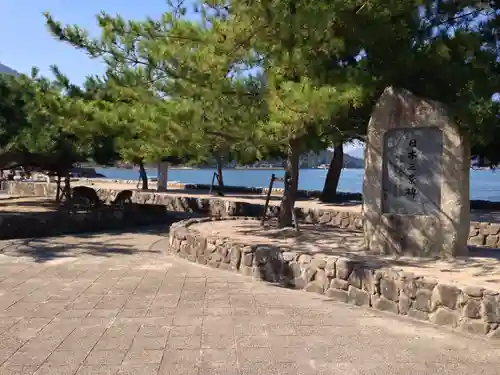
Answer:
[(102, 244)]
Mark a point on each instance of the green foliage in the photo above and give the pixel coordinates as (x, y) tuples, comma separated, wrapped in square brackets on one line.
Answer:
[(41, 126), (180, 86), (181, 69), (12, 115)]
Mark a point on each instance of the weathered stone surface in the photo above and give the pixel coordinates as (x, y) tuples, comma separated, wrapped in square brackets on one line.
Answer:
[(417, 314), (494, 228), (354, 279), (295, 269), (299, 283), (325, 218), (404, 303), (473, 291), (391, 232), (321, 279), (423, 300), (248, 259), (215, 260), (445, 317), (318, 262), (389, 289), (339, 284), (445, 295), (337, 294), (344, 268), (488, 292), (235, 257), (358, 297), (367, 280), (409, 286), (426, 283), (314, 287), (308, 273), (472, 309), (358, 223), (494, 334), (382, 303), (491, 241), (331, 266), (490, 309), (210, 248), (473, 326), (478, 240), (483, 228)]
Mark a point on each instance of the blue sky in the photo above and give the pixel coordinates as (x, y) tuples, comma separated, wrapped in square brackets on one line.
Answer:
[(25, 42)]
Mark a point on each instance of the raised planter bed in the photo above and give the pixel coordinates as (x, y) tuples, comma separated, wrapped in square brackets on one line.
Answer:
[(471, 309)]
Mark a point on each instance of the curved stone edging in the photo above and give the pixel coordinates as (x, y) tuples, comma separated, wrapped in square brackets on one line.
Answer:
[(54, 223), (470, 309)]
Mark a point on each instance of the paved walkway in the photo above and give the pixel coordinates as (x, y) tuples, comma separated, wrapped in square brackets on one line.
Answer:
[(109, 304)]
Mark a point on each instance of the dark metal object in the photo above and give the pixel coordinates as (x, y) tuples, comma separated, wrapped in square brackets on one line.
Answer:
[(287, 181), (212, 185), (266, 205)]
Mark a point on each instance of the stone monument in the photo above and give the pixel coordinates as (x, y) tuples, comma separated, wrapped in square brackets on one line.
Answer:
[(416, 183)]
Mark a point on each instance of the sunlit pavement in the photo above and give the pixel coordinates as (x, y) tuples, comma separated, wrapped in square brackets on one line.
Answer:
[(115, 304)]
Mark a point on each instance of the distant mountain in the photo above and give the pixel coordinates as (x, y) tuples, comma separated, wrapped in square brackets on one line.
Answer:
[(6, 69), (353, 162)]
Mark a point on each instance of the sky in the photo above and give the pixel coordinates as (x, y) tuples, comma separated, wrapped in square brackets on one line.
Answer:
[(355, 149), (25, 42)]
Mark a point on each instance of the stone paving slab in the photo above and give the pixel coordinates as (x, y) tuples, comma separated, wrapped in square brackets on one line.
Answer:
[(114, 304)]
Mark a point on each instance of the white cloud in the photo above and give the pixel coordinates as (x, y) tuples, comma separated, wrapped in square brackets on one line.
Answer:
[(355, 149)]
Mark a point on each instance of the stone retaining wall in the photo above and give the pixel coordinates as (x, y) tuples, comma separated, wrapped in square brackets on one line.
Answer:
[(484, 234), (341, 196), (470, 309), (215, 206), (46, 224), (480, 234)]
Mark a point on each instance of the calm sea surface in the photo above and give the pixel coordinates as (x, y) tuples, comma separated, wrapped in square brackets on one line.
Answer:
[(485, 184)]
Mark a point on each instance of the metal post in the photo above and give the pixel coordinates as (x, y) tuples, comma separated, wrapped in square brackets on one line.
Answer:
[(266, 205), (212, 184)]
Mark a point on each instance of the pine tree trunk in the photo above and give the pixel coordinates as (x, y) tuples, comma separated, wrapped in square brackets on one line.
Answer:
[(285, 218), (143, 175), (162, 176), (333, 176)]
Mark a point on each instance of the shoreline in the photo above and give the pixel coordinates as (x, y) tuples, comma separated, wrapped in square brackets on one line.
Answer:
[(484, 183), (214, 168), (345, 197)]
